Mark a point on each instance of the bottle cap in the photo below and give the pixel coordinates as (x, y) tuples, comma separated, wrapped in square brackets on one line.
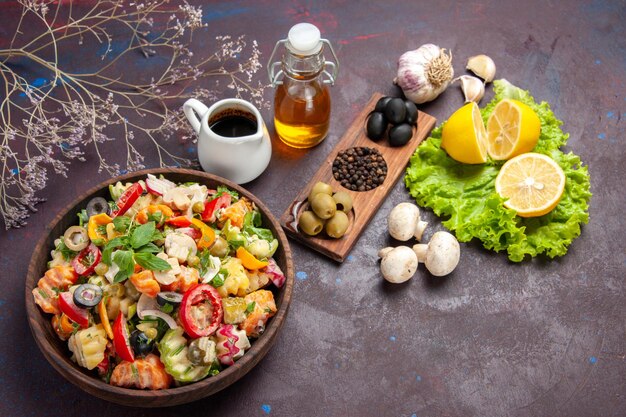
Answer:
[(304, 39)]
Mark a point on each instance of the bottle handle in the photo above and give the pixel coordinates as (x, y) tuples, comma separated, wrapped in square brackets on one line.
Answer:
[(193, 108), (333, 66), (271, 66)]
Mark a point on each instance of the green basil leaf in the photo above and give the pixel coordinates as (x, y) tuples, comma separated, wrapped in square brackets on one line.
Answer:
[(142, 235), (111, 246), (66, 252), (149, 248), (121, 223), (124, 259), (149, 261)]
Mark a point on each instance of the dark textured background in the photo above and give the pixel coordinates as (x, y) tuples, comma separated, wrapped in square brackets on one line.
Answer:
[(540, 338)]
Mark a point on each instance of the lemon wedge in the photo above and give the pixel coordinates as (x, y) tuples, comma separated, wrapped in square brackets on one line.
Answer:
[(463, 136), (512, 129), (532, 182)]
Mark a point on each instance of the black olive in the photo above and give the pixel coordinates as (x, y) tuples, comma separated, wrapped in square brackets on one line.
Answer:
[(395, 111), (140, 343), (399, 135), (411, 112), (97, 205), (87, 295), (169, 297), (381, 104), (376, 126)]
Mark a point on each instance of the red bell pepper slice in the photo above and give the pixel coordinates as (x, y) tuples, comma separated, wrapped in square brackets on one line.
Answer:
[(179, 221), (211, 207), (78, 315), (127, 199), (201, 300), (121, 339), (85, 262)]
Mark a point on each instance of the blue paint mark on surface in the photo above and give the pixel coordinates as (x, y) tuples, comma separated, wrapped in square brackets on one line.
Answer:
[(336, 366), (610, 115), (418, 378), (392, 338), (413, 415), (124, 171), (65, 146), (598, 62), (39, 82), (266, 408), (350, 258), (15, 171), (301, 275), (601, 136), (338, 280), (191, 149), (221, 14), (593, 359)]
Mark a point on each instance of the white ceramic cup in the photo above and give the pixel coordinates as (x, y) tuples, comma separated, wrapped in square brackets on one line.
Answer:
[(239, 159)]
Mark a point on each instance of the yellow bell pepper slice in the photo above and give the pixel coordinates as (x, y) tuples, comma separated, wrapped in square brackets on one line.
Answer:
[(248, 260), (104, 318), (101, 219), (143, 215), (208, 234)]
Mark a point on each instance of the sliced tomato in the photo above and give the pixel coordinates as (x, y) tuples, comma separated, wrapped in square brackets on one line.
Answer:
[(211, 207), (72, 311), (121, 339), (201, 311), (127, 199), (85, 262), (179, 221)]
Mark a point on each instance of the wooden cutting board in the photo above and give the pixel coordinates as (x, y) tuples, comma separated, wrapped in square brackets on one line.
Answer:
[(365, 203)]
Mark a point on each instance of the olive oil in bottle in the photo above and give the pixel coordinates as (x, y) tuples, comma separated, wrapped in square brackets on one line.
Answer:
[(302, 100)]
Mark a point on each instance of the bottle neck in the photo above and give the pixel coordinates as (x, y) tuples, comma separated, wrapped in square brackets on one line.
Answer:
[(303, 67)]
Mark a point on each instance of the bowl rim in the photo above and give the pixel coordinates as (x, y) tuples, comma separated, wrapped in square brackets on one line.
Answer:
[(184, 393)]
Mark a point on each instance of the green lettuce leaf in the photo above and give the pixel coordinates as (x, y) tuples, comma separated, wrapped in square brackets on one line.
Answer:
[(465, 194)]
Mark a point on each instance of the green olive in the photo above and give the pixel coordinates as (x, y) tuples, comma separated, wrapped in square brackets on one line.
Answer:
[(337, 225), (198, 207), (193, 260), (76, 238), (219, 248), (323, 205), (310, 224), (343, 201), (320, 187), (101, 269)]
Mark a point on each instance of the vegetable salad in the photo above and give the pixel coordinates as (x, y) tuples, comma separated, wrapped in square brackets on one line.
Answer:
[(165, 284)]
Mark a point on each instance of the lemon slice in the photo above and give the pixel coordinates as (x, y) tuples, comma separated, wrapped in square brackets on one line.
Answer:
[(512, 129), (463, 135), (532, 182)]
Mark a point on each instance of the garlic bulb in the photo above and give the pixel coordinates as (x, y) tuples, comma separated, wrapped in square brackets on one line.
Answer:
[(424, 73), (483, 66), (473, 88)]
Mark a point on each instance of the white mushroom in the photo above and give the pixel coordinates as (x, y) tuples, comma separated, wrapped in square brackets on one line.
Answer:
[(398, 264), (180, 246), (169, 276), (441, 255), (404, 222), (177, 199)]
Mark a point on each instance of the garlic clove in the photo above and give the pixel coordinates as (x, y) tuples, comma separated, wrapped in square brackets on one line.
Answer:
[(473, 88), (483, 66)]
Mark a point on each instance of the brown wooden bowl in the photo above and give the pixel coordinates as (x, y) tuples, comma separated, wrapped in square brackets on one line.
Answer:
[(56, 351)]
